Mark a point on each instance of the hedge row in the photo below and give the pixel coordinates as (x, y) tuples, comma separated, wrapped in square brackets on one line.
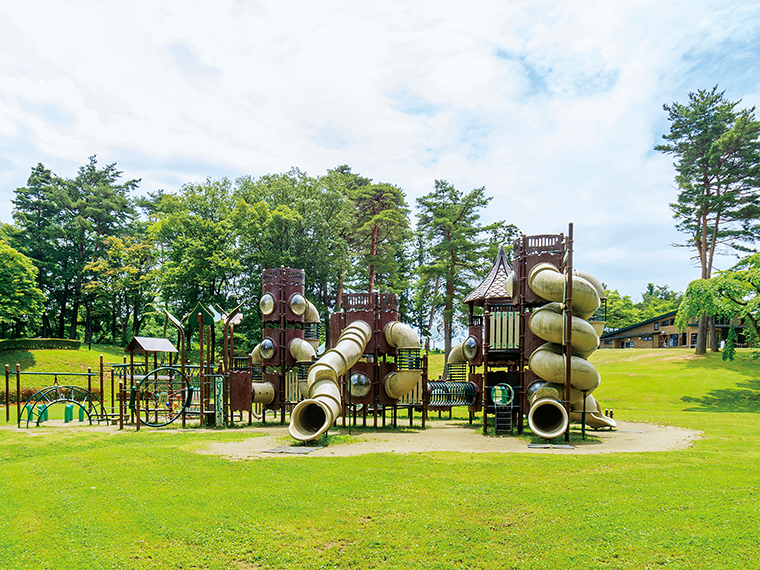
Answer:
[(39, 343)]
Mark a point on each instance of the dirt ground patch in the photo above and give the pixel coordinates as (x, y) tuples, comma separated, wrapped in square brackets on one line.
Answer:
[(451, 436)]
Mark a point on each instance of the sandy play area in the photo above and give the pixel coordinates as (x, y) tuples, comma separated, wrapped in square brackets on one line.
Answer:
[(451, 436)]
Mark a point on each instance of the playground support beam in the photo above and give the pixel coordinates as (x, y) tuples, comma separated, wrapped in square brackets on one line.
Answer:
[(18, 392)]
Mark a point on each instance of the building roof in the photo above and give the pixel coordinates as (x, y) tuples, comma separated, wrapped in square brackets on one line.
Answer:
[(620, 331), (149, 345), (494, 286)]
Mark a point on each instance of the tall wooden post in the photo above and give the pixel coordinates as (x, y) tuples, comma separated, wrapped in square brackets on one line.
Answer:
[(568, 321), (121, 403), (7, 394), (102, 386), (201, 370), (18, 392)]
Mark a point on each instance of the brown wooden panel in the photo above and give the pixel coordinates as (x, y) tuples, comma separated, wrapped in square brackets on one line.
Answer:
[(240, 391)]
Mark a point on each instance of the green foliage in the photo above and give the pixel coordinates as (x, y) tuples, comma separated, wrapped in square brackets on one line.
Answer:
[(733, 294), (729, 350), (123, 281), (197, 239), (454, 248), (62, 224), (20, 299), (39, 344), (620, 310), (656, 300)]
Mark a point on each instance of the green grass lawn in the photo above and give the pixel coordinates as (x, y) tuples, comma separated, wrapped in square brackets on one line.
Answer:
[(87, 499)]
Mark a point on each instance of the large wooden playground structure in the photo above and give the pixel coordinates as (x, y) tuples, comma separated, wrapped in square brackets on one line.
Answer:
[(532, 327)]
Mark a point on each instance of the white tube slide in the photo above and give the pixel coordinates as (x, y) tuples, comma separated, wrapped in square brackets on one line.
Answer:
[(548, 323), (312, 317), (549, 362), (402, 337), (547, 282), (301, 350), (261, 392), (547, 416), (456, 354), (594, 416), (314, 416)]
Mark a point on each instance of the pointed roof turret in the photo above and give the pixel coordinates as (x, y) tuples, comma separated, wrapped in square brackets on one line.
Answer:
[(494, 286)]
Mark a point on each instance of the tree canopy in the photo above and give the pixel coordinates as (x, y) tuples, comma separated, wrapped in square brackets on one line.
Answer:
[(21, 301), (108, 261), (733, 294), (456, 249), (717, 161)]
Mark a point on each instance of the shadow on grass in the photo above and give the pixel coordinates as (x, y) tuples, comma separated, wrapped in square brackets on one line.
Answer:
[(12, 357), (744, 398)]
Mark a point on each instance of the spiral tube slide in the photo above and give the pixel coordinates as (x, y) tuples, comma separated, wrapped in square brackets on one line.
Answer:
[(548, 323), (547, 417), (313, 416), (547, 282)]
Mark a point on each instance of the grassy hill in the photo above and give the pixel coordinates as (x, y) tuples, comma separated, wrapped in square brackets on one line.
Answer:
[(85, 498)]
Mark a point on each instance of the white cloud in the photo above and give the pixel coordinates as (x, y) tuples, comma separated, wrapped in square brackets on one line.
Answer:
[(553, 107)]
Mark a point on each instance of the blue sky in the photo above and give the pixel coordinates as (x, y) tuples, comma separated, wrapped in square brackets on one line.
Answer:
[(554, 107)]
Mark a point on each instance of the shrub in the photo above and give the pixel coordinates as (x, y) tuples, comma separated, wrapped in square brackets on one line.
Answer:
[(39, 343)]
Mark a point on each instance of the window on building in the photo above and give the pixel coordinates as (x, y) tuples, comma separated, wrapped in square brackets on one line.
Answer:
[(657, 326), (607, 342)]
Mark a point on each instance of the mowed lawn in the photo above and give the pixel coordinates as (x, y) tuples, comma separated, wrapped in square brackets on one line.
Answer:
[(81, 498)]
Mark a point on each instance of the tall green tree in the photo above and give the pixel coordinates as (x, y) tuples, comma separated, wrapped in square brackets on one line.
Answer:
[(62, 226), (380, 232), (717, 161), (124, 284), (456, 246), (657, 300), (20, 299), (197, 245)]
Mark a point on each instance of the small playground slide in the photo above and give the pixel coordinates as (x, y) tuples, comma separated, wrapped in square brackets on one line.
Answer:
[(313, 416)]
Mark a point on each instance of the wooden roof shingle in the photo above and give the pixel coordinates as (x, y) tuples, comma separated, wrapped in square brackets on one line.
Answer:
[(494, 286)]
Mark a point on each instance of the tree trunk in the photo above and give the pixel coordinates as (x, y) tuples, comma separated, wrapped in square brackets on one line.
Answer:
[(713, 335), (62, 318), (339, 295), (135, 320), (701, 335), (373, 253), (45, 325), (114, 326), (431, 317), (88, 324), (448, 322)]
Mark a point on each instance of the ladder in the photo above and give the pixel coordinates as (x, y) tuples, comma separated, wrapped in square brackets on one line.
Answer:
[(503, 396)]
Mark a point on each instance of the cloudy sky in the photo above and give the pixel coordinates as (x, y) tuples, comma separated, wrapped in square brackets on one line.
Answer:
[(553, 107)]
